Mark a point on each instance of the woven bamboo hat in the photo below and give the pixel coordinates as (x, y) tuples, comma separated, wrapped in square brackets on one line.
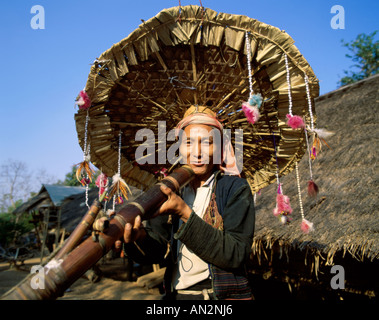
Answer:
[(192, 56)]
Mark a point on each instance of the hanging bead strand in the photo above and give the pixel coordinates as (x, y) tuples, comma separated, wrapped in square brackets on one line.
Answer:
[(86, 155), (295, 122), (283, 208), (309, 152), (305, 226), (251, 108), (85, 136), (299, 191), (248, 52), (84, 172), (119, 153), (309, 100), (118, 165), (289, 86), (119, 188), (312, 186)]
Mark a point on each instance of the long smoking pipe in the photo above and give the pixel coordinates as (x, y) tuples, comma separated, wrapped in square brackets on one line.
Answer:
[(68, 266)]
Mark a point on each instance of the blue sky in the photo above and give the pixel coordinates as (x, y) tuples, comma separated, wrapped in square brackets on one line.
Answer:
[(43, 70)]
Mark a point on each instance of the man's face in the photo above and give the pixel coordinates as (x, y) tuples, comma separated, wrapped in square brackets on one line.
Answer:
[(200, 147)]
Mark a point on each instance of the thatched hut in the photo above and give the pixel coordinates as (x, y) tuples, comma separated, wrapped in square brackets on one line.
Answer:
[(74, 207), (344, 213), (45, 210)]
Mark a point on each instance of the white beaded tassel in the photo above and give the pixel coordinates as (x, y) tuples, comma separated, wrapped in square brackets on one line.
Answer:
[(289, 86), (86, 153), (87, 177), (248, 49), (119, 154), (306, 226), (118, 165), (295, 122), (309, 154), (312, 187), (299, 191), (309, 100), (312, 122), (277, 169), (251, 107)]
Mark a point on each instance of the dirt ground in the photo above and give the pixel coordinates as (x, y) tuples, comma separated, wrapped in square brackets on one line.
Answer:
[(111, 286)]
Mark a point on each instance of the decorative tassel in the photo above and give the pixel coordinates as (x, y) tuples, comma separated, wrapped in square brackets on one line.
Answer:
[(84, 168), (319, 136), (312, 188), (83, 101), (313, 153), (251, 109), (102, 183), (295, 122), (119, 200), (119, 188), (306, 226), (283, 208), (323, 133), (162, 173), (256, 100), (251, 113)]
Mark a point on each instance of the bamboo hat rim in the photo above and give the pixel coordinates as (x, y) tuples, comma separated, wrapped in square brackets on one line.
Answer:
[(188, 56)]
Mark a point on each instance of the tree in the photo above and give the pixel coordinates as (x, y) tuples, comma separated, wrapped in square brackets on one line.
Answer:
[(15, 183), (18, 184), (11, 227), (365, 53)]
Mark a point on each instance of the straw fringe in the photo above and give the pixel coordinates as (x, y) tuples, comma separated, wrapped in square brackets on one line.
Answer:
[(140, 97)]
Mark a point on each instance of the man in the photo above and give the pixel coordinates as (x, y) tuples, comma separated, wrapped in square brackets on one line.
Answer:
[(207, 244)]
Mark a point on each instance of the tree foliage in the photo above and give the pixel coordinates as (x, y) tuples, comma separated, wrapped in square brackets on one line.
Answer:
[(16, 187), (11, 227), (364, 52)]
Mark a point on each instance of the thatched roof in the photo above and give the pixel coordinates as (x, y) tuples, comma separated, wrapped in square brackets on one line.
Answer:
[(345, 212), (48, 196)]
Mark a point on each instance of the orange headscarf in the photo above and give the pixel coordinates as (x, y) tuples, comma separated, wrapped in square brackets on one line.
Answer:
[(203, 115)]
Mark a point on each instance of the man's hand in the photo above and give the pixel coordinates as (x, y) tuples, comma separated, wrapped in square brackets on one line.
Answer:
[(135, 232), (174, 205)]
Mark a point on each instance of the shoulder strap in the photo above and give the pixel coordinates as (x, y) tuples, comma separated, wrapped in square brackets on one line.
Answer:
[(212, 215)]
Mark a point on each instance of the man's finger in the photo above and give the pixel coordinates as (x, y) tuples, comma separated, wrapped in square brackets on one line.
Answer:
[(128, 233), (137, 222), (118, 245), (166, 190)]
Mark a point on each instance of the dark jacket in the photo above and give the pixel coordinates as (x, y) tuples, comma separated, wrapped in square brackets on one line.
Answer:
[(226, 251)]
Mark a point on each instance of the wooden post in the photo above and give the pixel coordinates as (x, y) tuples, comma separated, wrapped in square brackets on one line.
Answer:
[(46, 218), (58, 228)]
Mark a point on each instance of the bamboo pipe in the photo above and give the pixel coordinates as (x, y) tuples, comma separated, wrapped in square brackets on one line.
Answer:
[(59, 275), (80, 230)]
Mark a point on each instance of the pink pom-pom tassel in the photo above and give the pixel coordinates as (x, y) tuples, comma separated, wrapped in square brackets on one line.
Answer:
[(306, 226), (83, 101), (101, 182), (283, 208), (251, 112), (295, 122)]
